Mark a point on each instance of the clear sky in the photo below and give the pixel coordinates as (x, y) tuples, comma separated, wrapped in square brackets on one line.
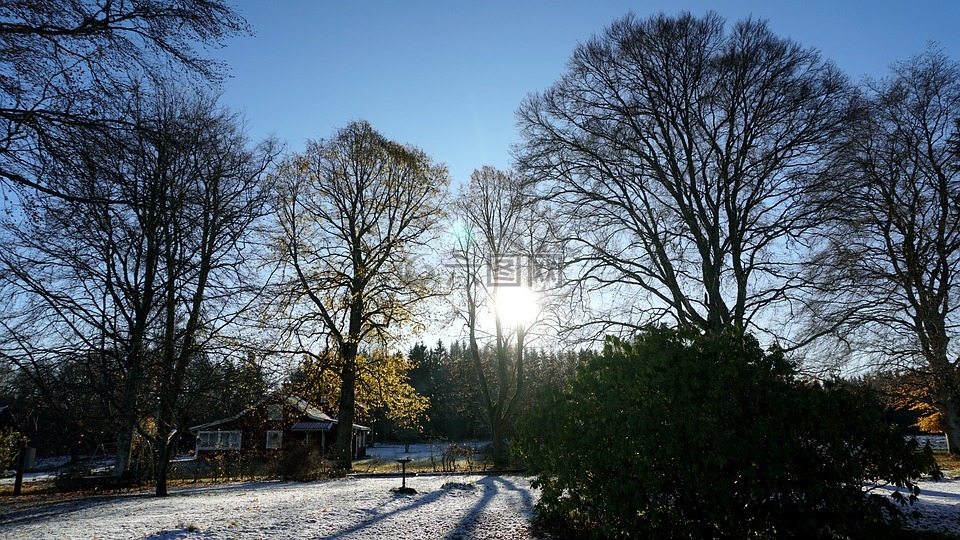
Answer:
[(447, 76)]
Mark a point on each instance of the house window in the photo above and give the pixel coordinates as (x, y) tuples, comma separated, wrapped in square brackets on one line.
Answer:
[(218, 440), (274, 439), (275, 412)]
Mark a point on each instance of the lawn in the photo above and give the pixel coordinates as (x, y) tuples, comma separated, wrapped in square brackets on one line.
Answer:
[(459, 506), (465, 505)]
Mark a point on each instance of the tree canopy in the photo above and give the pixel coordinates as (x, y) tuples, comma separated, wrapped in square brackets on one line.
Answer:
[(677, 152), (63, 63)]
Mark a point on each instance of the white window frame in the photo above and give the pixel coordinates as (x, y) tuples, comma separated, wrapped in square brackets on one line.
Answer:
[(275, 412), (219, 440), (279, 439)]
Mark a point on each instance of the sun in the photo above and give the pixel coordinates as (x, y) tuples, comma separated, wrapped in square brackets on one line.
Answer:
[(516, 306)]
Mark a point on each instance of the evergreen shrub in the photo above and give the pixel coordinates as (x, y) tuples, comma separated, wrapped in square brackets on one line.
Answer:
[(681, 435)]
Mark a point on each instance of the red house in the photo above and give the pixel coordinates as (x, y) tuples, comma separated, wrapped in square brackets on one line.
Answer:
[(271, 425)]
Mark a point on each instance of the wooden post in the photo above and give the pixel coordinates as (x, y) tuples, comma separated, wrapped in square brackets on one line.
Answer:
[(21, 464)]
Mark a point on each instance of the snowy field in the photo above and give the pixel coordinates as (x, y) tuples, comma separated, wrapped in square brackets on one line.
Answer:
[(448, 507), (939, 506), (480, 507)]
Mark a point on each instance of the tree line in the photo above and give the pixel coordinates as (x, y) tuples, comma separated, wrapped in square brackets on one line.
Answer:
[(681, 171)]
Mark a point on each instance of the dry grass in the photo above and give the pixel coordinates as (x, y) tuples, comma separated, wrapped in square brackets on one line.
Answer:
[(949, 464), (423, 465)]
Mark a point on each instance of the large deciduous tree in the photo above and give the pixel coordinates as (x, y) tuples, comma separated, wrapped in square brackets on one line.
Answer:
[(677, 152), (63, 63), (891, 266), (135, 287), (354, 211)]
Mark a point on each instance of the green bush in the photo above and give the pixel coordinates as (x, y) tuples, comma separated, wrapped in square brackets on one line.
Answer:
[(10, 441), (678, 435), (71, 479)]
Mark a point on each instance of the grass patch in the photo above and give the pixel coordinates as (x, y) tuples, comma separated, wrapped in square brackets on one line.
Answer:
[(190, 527), (390, 466), (443, 458), (425, 465), (949, 463)]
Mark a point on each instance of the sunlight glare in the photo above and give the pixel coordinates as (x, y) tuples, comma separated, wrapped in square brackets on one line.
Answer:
[(516, 306)]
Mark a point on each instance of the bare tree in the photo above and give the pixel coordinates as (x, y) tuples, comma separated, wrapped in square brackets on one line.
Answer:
[(136, 290), (213, 211), (354, 210), (677, 154), (496, 250), (63, 62), (890, 266)]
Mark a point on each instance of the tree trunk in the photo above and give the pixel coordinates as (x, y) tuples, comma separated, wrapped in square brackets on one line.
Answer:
[(121, 461), (160, 461), (165, 443), (499, 446), (950, 412), (343, 448), (128, 414)]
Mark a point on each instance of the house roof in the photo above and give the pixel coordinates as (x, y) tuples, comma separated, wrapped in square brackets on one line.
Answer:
[(312, 426), (223, 420), (314, 415), (307, 409)]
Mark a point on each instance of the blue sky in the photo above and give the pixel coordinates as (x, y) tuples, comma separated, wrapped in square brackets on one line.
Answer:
[(448, 76)]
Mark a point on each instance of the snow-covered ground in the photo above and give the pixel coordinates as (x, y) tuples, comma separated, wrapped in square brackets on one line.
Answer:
[(477, 507), (939, 506), (31, 477), (448, 507)]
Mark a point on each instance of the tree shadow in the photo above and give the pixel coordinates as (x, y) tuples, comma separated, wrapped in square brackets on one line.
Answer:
[(934, 493), (34, 511), (528, 503), (466, 527), (422, 501), (178, 534), (28, 511)]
